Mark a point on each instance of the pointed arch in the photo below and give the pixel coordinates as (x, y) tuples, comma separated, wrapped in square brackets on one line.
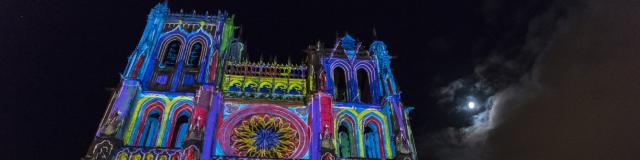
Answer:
[(179, 130), (180, 118), (170, 51), (380, 120), (373, 140), (139, 115), (339, 76), (195, 53), (148, 129), (345, 133), (346, 138)]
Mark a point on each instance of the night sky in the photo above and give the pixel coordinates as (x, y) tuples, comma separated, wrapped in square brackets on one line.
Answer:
[(552, 79)]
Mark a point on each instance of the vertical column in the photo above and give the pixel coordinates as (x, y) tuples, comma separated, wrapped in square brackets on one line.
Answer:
[(323, 128), (315, 127), (210, 125), (397, 109)]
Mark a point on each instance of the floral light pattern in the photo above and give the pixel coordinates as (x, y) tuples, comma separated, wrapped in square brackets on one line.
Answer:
[(264, 136)]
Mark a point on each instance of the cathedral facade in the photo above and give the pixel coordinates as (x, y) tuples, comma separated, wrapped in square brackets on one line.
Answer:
[(188, 92)]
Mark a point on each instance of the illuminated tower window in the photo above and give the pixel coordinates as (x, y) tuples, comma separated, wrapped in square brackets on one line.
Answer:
[(363, 86), (340, 90), (171, 53), (345, 146), (179, 131), (150, 131), (194, 56), (372, 143)]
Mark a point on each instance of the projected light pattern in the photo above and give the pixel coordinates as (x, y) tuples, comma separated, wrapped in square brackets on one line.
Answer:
[(264, 136), (189, 92), (263, 131)]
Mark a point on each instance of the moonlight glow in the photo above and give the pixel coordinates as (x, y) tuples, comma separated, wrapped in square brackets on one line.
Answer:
[(471, 105)]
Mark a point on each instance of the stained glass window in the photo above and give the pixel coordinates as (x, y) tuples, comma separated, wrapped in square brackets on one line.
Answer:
[(171, 53), (194, 56)]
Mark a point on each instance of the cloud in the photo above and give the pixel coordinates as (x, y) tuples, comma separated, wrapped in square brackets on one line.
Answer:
[(508, 84), (580, 99), (587, 102)]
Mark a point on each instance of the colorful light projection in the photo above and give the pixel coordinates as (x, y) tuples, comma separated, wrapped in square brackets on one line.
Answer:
[(263, 131), (134, 153), (362, 133), (264, 136), (152, 126), (186, 90), (346, 78), (265, 81)]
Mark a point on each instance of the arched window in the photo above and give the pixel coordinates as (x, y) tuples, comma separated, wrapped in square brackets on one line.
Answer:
[(340, 90), (150, 129), (171, 53), (345, 146), (371, 141), (179, 131), (194, 56), (363, 86)]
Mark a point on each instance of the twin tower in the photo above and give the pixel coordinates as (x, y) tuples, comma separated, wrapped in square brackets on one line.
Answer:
[(187, 93)]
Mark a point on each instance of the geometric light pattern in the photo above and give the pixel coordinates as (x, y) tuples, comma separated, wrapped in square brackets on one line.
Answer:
[(264, 131), (264, 136)]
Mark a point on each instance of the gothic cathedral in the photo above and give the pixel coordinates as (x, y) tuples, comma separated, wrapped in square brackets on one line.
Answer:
[(188, 92)]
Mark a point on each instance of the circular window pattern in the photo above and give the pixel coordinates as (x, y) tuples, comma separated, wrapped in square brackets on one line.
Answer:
[(264, 136), (264, 131)]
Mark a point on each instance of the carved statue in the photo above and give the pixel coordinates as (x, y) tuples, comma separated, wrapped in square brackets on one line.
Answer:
[(112, 125), (326, 138), (401, 144)]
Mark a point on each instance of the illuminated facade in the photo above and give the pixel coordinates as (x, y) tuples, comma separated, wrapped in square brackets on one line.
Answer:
[(186, 93)]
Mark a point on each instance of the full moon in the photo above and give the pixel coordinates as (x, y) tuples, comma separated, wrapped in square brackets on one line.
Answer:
[(471, 105)]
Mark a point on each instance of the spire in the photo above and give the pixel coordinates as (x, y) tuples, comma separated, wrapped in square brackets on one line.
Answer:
[(260, 58), (375, 34), (349, 46)]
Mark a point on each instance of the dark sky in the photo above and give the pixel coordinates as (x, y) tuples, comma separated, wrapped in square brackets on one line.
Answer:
[(555, 79)]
